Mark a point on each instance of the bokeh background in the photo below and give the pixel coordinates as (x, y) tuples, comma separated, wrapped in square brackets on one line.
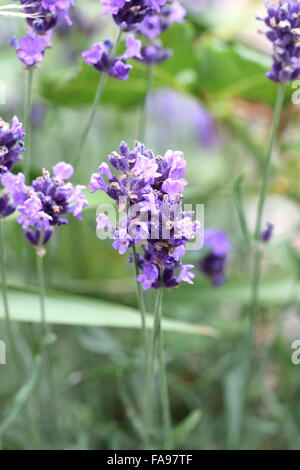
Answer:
[(212, 101)]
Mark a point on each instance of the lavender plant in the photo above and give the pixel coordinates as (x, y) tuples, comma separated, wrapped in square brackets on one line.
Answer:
[(147, 18), (11, 147), (147, 190), (42, 16), (42, 206), (282, 20)]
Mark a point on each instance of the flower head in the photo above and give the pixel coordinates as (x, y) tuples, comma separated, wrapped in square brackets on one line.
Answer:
[(283, 22), (11, 144), (100, 56), (47, 202), (47, 13), (153, 213), (31, 48)]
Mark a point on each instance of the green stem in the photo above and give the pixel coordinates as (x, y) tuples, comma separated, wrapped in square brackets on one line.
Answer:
[(157, 346), (8, 325), (256, 276), (42, 290), (143, 119), (98, 95), (27, 122), (141, 302), (164, 394)]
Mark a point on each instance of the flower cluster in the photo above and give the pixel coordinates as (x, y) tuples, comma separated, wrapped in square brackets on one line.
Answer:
[(101, 57), (148, 190), (43, 16), (148, 18), (46, 13), (46, 202), (11, 146), (213, 263), (31, 48), (283, 20)]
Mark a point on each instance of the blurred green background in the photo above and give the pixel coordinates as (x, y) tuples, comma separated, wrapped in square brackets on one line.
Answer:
[(212, 101)]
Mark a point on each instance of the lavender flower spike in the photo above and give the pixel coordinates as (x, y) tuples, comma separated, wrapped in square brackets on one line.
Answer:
[(283, 22), (150, 188), (11, 144), (47, 202)]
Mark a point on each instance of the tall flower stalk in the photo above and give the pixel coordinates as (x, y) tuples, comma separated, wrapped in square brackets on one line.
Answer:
[(11, 148), (91, 60), (27, 120), (147, 190)]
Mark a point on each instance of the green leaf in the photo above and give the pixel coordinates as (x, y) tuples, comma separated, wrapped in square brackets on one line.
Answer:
[(76, 310), (233, 70), (22, 396), (186, 427)]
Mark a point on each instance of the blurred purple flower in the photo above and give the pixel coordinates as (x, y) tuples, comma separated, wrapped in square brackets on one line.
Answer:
[(167, 107), (267, 234), (213, 263), (31, 48)]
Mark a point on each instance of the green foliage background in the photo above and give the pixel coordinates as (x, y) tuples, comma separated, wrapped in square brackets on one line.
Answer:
[(96, 354)]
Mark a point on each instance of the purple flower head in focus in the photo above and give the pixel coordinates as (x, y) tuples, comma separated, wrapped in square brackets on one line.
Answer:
[(47, 202), (11, 144), (31, 48), (149, 189), (213, 263), (155, 24), (283, 22)]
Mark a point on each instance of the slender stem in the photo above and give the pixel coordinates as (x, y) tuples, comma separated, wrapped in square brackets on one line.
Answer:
[(141, 302), (143, 119), (93, 110), (42, 289), (256, 276), (27, 121), (8, 325), (268, 160), (164, 394), (157, 347)]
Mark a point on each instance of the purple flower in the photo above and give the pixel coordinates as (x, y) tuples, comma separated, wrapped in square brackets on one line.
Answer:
[(48, 200), (47, 13), (100, 57), (6, 205), (185, 275), (154, 215), (283, 21), (213, 263), (267, 234), (11, 144), (31, 48), (119, 69), (154, 54), (153, 26), (149, 276)]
